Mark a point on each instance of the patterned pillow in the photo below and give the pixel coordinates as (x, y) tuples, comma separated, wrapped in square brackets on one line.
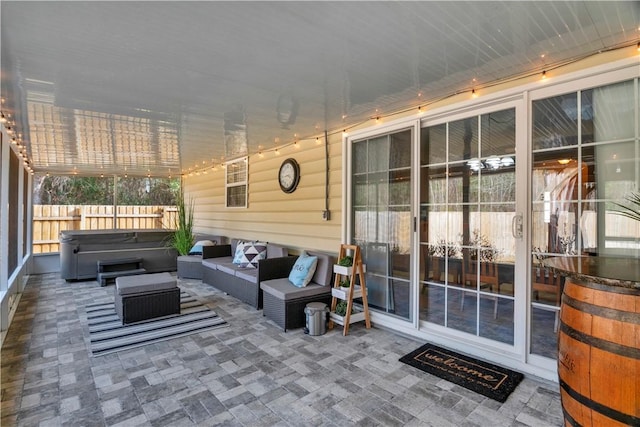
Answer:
[(238, 256), (252, 252)]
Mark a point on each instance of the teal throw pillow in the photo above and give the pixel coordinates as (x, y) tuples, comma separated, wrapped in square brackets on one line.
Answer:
[(197, 248), (303, 270)]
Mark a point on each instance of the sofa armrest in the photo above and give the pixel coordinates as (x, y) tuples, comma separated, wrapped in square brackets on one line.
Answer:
[(216, 251), (275, 268)]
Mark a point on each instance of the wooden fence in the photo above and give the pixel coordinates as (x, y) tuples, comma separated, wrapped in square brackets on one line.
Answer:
[(50, 220)]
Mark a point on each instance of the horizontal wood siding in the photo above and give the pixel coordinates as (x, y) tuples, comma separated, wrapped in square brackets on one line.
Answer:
[(294, 220)]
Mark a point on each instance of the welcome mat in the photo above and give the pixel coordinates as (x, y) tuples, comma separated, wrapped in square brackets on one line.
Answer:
[(108, 334), (484, 378)]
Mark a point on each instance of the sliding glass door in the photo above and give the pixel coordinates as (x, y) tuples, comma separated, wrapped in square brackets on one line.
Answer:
[(468, 223), (382, 221)]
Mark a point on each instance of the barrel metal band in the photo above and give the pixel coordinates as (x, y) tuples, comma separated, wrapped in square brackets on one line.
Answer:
[(611, 347), (569, 419), (597, 310), (621, 417)]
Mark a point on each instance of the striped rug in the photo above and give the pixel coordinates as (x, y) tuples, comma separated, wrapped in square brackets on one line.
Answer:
[(108, 334)]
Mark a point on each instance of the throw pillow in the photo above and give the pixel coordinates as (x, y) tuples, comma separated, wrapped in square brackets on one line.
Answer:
[(239, 253), (303, 270), (252, 252), (197, 247)]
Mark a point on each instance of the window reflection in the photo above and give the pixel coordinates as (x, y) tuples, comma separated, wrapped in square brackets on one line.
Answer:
[(585, 165), (466, 252), (382, 221)]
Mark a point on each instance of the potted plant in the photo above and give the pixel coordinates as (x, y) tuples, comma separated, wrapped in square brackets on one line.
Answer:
[(182, 239), (343, 266), (341, 308), (340, 312)]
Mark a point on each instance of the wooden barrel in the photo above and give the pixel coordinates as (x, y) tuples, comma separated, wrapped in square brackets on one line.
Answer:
[(599, 354)]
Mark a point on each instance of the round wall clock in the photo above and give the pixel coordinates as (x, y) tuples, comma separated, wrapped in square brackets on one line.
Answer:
[(289, 175)]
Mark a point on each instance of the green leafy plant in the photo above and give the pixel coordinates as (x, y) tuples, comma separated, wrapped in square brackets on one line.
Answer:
[(182, 239), (345, 283), (341, 308), (346, 261), (631, 209)]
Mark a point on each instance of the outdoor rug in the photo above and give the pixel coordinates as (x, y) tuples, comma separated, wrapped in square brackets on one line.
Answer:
[(108, 334), (484, 378)]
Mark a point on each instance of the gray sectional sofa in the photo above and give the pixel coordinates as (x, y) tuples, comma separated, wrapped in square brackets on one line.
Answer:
[(219, 271)]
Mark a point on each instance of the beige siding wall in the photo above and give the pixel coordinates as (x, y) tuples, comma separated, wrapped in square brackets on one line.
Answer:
[(294, 220)]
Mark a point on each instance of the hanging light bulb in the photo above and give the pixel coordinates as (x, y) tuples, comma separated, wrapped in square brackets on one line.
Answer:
[(544, 74)]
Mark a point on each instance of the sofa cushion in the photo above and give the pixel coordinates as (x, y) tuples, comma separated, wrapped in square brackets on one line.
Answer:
[(196, 249), (191, 259), (213, 262), (303, 270), (284, 290), (126, 285), (324, 269), (276, 251), (248, 274), (229, 268)]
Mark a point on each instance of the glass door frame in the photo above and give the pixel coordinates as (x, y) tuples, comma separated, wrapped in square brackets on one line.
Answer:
[(347, 179), (518, 349)]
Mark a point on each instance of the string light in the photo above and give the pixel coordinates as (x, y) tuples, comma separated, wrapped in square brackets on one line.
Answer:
[(422, 107)]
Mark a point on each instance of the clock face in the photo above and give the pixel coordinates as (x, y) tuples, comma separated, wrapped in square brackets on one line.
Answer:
[(289, 175)]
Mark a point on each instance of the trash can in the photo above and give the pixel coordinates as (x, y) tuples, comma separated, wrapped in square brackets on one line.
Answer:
[(316, 323)]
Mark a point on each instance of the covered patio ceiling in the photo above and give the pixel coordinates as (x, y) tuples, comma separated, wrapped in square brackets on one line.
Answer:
[(160, 88)]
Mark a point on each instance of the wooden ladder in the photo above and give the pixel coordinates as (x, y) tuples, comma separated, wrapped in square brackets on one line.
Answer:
[(357, 271)]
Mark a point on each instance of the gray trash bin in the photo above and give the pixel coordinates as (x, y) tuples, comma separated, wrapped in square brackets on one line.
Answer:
[(316, 323)]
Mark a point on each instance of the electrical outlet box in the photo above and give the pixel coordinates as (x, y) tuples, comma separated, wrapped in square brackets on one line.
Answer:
[(326, 215)]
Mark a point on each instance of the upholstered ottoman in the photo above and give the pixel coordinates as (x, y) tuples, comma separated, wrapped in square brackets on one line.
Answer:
[(146, 296)]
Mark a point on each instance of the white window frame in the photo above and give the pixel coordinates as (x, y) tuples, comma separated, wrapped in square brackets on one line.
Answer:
[(243, 181)]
